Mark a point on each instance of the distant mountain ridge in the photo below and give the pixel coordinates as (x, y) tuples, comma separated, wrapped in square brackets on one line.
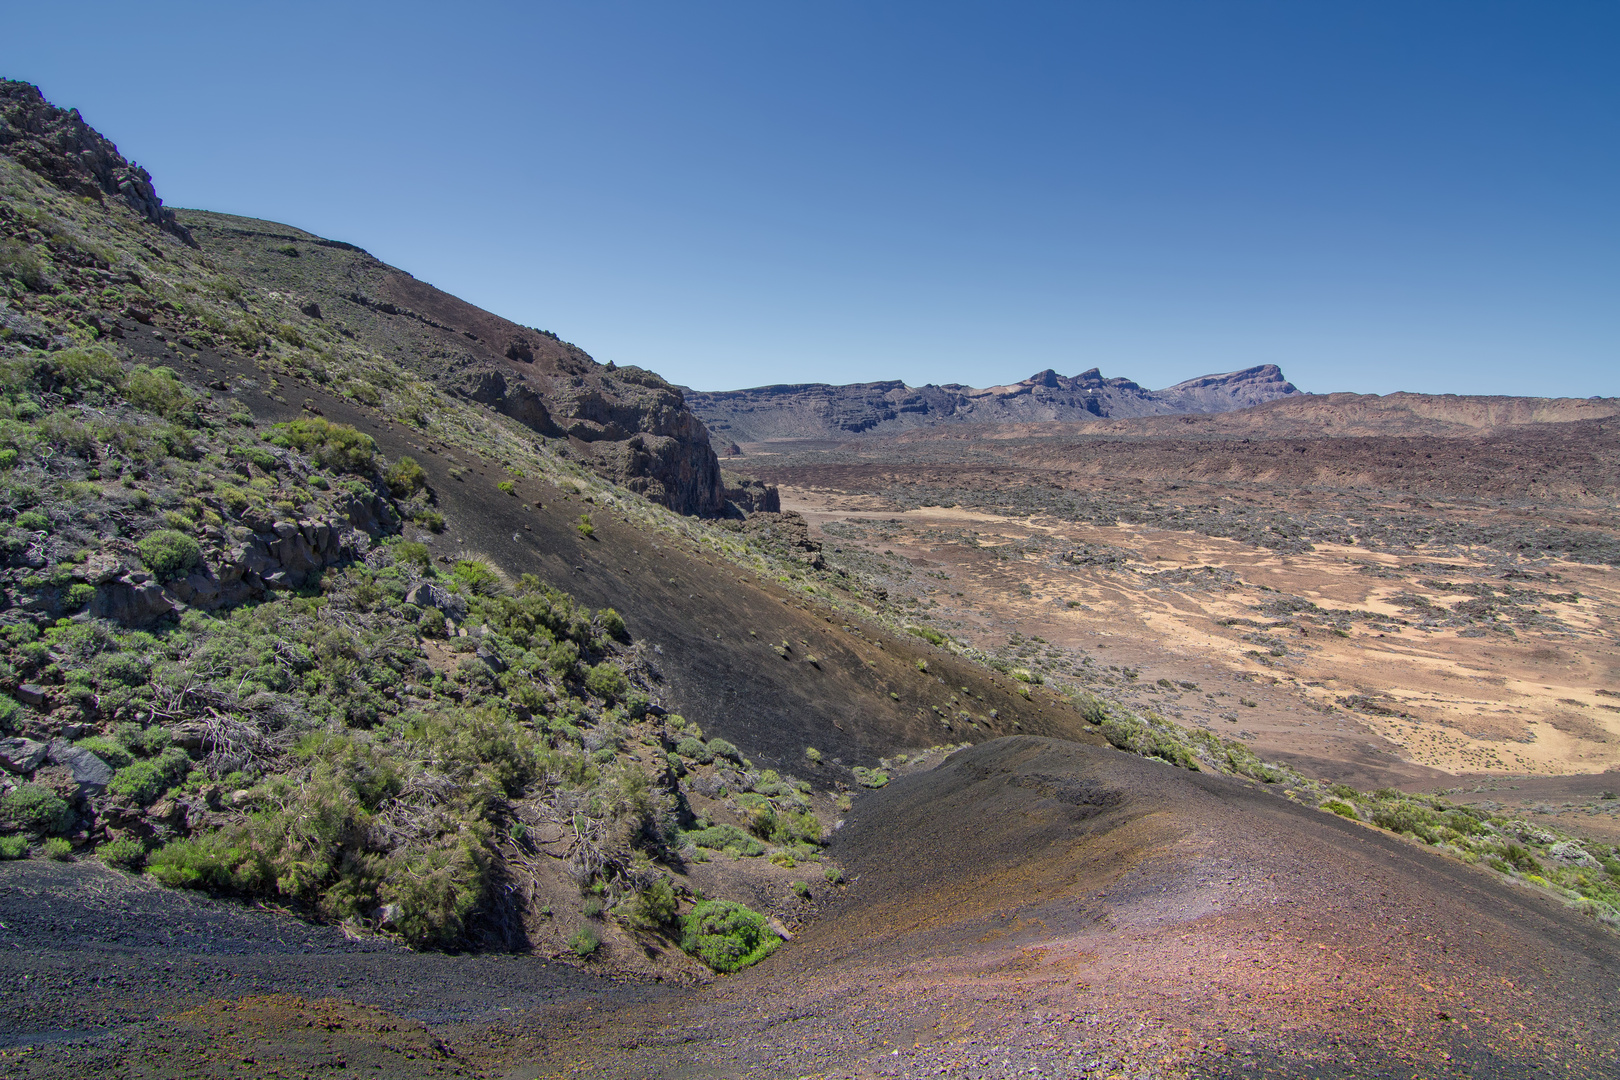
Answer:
[(820, 410)]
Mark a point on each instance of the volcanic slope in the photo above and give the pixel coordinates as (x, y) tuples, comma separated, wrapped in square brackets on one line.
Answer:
[(957, 864)]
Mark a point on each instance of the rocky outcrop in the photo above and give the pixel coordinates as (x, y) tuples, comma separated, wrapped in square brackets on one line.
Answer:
[(58, 145), (19, 755), (820, 411), (282, 555), (746, 495), (625, 423), (90, 774)]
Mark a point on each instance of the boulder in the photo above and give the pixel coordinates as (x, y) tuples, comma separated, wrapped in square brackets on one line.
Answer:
[(430, 595), (130, 602), (90, 773), (1572, 854), (21, 755)]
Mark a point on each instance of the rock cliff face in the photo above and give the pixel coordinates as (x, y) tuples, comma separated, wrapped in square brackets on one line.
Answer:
[(60, 146), (625, 423), (820, 411)]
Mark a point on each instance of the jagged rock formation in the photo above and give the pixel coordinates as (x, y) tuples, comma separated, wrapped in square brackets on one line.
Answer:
[(624, 422), (58, 145), (820, 411)]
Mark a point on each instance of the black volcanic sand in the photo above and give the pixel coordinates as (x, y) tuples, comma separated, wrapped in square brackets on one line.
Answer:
[(1031, 907)]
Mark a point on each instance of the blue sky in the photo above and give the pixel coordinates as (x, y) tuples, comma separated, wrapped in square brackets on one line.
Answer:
[(1376, 196)]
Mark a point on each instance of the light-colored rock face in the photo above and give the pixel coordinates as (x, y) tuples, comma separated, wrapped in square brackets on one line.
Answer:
[(822, 411)]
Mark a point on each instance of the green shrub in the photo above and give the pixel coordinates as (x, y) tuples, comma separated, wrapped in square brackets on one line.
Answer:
[(32, 521), (721, 748), (1403, 816), (695, 750), (13, 847), (613, 624), (416, 554), (232, 498), (586, 529), (438, 889), (932, 636), (35, 808), (802, 888), (113, 753), (405, 478), (585, 942), (337, 447), (8, 458), (606, 681), (125, 854), (1520, 859), (158, 390), (145, 782), (727, 936), (59, 848), (80, 594), (1342, 807), (216, 860), (478, 578), (168, 553), (506, 487), (812, 755), (833, 875), (655, 905), (727, 838), (21, 262), (869, 778)]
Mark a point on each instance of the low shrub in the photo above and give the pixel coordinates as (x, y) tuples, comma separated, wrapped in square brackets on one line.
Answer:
[(13, 847), (1342, 807), (869, 778), (59, 848), (612, 624), (337, 447), (145, 782), (168, 553), (721, 748), (35, 809), (655, 905), (695, 750), (727, 838), (727, 936), (124, 854), (606, 681), (585, 942), (405, 478)]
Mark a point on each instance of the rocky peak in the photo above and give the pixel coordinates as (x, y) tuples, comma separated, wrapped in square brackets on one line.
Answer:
[(58, 145)]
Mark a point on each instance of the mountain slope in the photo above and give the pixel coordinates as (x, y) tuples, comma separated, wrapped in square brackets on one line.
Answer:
[(820, 411)]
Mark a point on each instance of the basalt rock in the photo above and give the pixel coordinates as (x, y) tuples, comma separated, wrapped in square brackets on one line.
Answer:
[(58, 145), (90, 773)]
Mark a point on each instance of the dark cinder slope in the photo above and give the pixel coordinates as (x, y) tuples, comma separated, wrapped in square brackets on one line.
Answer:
[(1037, 907), (820, 411)]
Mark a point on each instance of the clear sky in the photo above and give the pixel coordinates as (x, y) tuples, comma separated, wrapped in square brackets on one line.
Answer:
[(1377, 196)]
